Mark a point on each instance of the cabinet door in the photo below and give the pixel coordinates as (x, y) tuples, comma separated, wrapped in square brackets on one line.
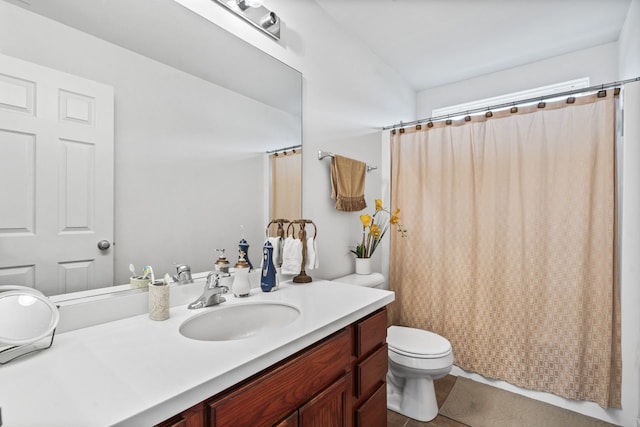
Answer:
[(331, 408)]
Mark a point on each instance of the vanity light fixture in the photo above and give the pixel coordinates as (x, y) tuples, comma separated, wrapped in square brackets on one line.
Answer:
[(256, 14)]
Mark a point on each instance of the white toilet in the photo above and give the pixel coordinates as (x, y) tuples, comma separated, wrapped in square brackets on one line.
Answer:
[(416, 358)]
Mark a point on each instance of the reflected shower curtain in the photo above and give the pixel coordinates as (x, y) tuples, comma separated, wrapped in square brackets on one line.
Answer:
[(510, 251), (286, 185)]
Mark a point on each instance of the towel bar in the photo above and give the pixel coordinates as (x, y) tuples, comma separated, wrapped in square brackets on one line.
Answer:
[(323, 154)]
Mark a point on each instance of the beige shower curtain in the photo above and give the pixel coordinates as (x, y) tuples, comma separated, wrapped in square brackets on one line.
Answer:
[(286, 185), (511, 246)]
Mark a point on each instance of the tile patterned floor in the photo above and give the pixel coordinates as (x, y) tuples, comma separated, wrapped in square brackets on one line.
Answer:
[(443, 388)]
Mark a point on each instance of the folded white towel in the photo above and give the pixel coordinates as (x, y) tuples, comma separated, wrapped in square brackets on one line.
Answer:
[(312, 255), (291, 256), (276, 242)]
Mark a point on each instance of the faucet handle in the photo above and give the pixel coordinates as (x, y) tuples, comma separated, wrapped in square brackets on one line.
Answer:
[(213, 279)]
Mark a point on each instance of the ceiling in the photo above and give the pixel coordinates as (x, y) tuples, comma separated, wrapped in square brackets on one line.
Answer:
[(436, 42), (429, 42)]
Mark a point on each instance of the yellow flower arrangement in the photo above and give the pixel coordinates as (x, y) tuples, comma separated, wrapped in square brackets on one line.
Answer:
[(374, 228)]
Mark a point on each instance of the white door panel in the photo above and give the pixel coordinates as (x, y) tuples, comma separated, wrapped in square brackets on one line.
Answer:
[(56, 170)]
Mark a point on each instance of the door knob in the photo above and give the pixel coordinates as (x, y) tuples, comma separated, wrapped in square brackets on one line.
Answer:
[(103, 245)]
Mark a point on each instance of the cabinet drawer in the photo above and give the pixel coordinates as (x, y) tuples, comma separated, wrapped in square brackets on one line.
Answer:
[(271, 397), (373, 412), (371, 372), (371, 332)]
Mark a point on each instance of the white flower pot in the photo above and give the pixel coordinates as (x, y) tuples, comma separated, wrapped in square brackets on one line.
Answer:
[(363, 265)]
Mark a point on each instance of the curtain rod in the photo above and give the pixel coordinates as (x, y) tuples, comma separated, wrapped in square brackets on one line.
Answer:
[(280, 150), (513, 103)]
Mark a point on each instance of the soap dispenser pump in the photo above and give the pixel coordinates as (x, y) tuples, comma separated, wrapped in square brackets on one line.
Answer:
[(241, 286)]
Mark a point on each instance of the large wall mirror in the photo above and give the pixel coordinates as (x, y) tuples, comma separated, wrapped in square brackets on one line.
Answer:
[(195, 110)]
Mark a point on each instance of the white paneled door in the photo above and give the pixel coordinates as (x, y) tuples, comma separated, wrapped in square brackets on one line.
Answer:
[(56, 179)]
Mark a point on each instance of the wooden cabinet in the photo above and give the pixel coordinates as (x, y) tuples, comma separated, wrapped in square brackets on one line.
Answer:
[(370, 371), (336, 382)]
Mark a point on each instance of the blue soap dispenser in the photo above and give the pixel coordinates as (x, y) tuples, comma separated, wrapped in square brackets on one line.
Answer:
[(268, 276)]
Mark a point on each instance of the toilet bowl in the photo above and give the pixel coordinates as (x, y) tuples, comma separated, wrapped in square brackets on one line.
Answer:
[(416, 358)]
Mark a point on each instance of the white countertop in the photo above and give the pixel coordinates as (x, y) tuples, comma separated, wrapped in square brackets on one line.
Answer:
[(138, 372)]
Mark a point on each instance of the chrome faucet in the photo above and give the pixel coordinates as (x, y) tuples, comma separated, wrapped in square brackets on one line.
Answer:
[(212, 294)]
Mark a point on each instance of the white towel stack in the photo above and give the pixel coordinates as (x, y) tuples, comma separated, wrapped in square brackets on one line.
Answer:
[(291, 256)]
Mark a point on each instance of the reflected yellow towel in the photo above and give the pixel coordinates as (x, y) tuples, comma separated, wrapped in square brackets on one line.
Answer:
[(347, 183)]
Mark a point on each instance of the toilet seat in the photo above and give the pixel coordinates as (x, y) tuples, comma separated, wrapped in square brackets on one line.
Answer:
[(417, 343)]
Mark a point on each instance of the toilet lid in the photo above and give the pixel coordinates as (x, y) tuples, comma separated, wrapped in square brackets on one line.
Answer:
[(416, 342)]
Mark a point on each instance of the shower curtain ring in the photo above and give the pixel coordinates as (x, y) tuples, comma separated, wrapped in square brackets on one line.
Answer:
[(602, 93)]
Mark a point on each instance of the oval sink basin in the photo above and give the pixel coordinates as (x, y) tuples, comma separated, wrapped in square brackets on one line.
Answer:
[(236, 322)]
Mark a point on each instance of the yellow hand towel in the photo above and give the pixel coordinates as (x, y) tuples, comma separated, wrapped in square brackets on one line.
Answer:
[(347, 183)]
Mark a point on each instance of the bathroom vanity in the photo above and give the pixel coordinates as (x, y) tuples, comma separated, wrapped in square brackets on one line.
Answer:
[(339, 381), (327, 367)]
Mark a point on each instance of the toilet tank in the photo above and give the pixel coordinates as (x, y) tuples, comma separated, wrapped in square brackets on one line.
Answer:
[(373, 280)]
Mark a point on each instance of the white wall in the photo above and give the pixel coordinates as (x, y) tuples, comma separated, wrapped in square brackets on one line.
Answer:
[(630, 253), (629, 67), (600, 64), (629, 44), (348, 95), (181, 159)]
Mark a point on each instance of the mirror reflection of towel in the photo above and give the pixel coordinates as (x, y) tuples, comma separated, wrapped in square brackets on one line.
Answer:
[(276, 242), (291, 256), (347, 183)]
